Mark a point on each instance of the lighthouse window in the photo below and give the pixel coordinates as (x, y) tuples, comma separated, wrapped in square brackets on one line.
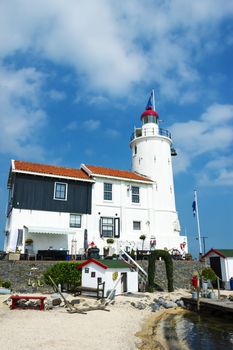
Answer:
[(135, 194), (107, 192), (135, 150), (149, 119)]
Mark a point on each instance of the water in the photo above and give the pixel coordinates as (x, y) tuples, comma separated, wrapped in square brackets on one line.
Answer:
[(196, 332)]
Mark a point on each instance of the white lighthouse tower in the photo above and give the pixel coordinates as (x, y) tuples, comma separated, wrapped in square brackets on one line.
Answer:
[(151, 156)]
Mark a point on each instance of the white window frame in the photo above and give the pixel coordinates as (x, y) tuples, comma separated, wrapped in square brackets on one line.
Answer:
[(133, 195), (54, 194), (108, 191), (76, 215)]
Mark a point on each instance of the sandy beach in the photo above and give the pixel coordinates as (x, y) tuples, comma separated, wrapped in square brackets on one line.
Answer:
[(123, 327), (57, 329)]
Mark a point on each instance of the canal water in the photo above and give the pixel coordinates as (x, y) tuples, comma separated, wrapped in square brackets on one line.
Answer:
[(197, 332)]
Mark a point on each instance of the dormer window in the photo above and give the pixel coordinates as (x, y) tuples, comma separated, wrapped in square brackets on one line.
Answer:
[(60, 191)]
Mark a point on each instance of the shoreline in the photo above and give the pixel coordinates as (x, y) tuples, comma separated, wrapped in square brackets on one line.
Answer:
[(151, 333)]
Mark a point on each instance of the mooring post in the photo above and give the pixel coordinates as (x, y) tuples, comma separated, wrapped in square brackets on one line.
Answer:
[(198, 299), (218, 284)]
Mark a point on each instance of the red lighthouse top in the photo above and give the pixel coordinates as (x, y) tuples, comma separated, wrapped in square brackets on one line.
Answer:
[(149, 111)]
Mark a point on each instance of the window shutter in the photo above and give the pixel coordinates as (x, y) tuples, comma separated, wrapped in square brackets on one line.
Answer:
[(116, 227), (100, 227)]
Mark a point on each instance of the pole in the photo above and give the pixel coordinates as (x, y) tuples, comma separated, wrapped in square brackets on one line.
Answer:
[(204, 238), (153, 97), (198, 223)]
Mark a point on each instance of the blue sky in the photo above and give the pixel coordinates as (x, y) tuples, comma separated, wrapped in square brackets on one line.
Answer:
[(75, 77)]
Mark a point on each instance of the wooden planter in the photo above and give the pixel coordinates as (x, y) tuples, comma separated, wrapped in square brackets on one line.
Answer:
[(13, 256)]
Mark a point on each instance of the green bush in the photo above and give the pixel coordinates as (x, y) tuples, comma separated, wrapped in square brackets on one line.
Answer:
[(151, 269), (5, 284), (64, 273), (208, 274)]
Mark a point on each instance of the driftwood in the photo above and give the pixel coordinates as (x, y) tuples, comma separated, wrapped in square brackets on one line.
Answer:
[(71, 308), (67, 303), (90, 308)]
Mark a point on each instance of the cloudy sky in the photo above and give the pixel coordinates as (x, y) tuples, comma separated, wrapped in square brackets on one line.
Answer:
[(76, 75)]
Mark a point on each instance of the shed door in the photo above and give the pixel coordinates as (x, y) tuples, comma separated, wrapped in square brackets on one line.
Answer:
[(123, 282), (216, 265)]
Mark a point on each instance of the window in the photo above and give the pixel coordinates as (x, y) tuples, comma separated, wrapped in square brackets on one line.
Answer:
[(137, 225), (86, 269), (109, 227), (60, 191), (92, 274), (75, 220), (107, 192), (135, 194)]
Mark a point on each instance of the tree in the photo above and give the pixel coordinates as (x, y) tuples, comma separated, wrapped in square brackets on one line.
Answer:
[(151, 269)]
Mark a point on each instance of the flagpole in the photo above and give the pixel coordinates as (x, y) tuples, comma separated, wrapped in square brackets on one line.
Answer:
[(198, 223), (153, 97)]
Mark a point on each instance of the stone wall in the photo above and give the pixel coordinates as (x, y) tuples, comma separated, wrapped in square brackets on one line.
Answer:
[(25, 276), (182, 272)]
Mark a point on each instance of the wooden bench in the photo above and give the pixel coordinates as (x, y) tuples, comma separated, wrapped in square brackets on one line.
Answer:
[(16, 298), (98, 291)]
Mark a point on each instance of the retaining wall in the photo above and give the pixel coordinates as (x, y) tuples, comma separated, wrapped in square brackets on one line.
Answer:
[(24, 275)]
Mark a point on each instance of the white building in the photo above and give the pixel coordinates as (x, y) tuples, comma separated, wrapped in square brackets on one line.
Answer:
[(62, 208), (109, 272), (221, 261)]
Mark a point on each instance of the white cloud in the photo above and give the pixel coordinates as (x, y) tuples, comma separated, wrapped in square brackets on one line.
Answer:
[(112, 133), (114, 47), (57, 95), (71, 126), (210, 135), (20, 116), (91, 124)]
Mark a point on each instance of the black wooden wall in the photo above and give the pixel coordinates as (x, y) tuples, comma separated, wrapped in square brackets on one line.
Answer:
[(37, 193)]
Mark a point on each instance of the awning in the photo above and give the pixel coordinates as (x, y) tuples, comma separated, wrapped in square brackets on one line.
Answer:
[(48, 230)]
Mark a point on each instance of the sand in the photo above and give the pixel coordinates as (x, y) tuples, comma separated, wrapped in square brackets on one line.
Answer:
[(123, 327), (57, 329)]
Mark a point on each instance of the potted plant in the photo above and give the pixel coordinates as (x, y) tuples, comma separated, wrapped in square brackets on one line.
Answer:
[(132, 254), (142, 237), (208, 276), (110, 240), (29, 241)]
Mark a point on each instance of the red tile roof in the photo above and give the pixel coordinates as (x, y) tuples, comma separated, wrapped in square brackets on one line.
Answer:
[(49, 170), (97, 170)]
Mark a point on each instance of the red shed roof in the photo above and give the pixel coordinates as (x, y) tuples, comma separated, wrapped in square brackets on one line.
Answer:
[(43, 169), (224, 253), (124, 174)]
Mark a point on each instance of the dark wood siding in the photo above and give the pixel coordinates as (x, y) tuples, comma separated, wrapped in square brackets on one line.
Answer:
[(37, 193)]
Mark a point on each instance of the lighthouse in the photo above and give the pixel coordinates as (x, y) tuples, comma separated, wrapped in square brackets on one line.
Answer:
[(152, 154)]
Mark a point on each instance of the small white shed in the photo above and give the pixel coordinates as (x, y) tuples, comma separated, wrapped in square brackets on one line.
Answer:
[(108, 271), (221, 261)]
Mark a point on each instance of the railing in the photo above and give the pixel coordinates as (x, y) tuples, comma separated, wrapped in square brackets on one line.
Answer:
[(149, 132)]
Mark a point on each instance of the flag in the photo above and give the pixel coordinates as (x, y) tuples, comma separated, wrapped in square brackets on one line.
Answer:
[(150, 103), (194, 208)]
